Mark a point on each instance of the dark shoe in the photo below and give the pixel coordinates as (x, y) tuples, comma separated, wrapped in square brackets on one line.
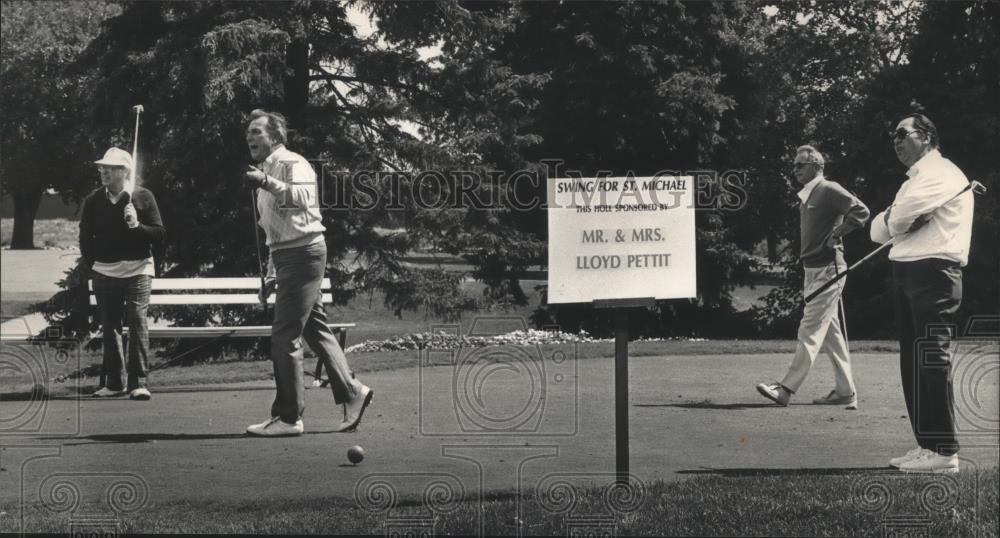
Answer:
[(354, 409)]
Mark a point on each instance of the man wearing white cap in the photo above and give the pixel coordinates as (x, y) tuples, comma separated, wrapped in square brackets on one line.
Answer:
[(119, 223)]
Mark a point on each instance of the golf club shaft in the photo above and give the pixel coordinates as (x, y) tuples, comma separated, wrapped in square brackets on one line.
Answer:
[(256, 235), (826, 285), (135, 148), (841, 314), (138, 109), (135, 158)]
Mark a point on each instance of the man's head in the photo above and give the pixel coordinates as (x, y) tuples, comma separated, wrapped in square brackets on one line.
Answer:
[(267, 131), (914, 137), (114, 168), (809, 163)]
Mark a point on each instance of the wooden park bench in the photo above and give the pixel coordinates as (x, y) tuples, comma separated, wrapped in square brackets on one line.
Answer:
[(208, 291)]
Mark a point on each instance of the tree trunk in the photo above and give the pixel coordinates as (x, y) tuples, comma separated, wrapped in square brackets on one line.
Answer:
[(26, 200), (297, 81)]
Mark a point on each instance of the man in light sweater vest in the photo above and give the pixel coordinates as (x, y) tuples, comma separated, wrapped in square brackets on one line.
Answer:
[(930, 247), (288, 203), (828, 212)]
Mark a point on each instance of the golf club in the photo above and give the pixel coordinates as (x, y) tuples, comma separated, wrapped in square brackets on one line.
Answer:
[(135, 161), (128, 205), (256, 234), (135, 142), (975, 186)]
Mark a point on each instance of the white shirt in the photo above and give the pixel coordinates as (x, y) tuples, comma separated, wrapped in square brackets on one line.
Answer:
[(808, 187), (932, 180)]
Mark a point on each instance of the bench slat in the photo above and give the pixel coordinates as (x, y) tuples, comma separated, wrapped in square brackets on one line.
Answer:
[(209, 299), (258, 331), (209, 283)]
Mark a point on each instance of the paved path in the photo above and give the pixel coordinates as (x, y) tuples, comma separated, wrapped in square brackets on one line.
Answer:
[(35, 271), (689, 416), (31, 275)]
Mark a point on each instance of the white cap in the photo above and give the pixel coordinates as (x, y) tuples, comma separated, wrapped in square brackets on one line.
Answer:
[(116, 157)]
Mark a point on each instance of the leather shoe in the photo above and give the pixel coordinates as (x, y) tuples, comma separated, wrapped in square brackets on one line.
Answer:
[(354, 409)]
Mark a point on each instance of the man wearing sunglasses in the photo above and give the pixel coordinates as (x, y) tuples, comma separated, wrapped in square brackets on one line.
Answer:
[(930, 248), (828, 212)]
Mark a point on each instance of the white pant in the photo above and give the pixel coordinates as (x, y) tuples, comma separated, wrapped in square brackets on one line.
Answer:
[(820, 330)]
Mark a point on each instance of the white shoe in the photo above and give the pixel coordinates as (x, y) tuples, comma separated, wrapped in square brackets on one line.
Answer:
[(275, 427), (774, 392), (141, 393), (851, 402), (911, 455), (931, 462), (105, 392), (354, 409)]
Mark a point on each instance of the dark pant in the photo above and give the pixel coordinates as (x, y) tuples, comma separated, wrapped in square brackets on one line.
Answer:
[(927, 293), (298, 315), (128, 297)]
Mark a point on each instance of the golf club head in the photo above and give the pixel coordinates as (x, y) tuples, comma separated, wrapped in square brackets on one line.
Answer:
[(978, 188), (138, 109)]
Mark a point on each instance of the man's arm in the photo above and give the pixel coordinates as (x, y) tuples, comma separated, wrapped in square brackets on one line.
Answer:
[(152, 229), (854, 211), (923, 195), (297, 185), (86, 233), (879, 232), (270, 281)]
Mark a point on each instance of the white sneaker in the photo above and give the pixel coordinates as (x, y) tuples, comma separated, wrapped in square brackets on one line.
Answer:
[(275, 427), (851, 402), (911, 455), (105, 392), (141, 393), (774, 392), (354, 409), (931, 462)]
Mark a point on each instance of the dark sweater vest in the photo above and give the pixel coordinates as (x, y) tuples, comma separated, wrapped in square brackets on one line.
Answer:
[(104, 235)]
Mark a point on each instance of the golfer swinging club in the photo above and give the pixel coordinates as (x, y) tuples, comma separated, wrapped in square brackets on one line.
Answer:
[(828, 212), (289, 214)]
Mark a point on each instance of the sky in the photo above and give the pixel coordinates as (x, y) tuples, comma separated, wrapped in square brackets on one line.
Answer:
[(364, 28)]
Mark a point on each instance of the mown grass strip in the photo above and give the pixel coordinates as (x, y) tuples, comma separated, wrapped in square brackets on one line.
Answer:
[(766, 502)]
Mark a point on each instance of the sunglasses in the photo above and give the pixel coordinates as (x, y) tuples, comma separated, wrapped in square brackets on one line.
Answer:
[(900, 134), (800, 165)]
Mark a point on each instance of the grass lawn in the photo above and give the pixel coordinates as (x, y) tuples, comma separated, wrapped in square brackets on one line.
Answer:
[(14, 308), (82, 368), (59, 233), (759, 503), (375, 322)]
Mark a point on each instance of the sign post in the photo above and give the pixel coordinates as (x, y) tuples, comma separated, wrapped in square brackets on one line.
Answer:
[(621, 243)]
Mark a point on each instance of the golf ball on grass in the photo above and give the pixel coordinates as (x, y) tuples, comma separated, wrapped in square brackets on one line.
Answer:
[(355, 454)]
